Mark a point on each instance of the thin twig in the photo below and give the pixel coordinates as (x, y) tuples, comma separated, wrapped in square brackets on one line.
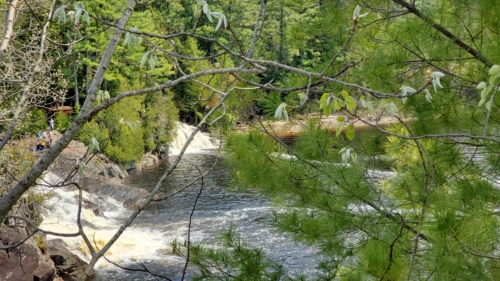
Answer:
[(190, 223)]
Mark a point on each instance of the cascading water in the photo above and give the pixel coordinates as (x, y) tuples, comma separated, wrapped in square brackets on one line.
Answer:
[(61, 210), (200, 143), (148, 239)]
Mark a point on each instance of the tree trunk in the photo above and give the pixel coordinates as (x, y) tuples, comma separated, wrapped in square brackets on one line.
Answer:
[(9, 23), (10, 198)]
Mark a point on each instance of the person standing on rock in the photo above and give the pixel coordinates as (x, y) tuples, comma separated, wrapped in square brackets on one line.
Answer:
[(51, 123)]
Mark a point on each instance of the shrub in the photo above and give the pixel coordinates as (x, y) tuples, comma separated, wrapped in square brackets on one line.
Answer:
[(61, 121), (33, 122)]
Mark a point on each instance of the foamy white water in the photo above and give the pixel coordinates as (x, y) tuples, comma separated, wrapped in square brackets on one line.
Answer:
[(201, 142), (60, 216), (102, 216)]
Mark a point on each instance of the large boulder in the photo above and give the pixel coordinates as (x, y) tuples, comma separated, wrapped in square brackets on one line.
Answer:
[(69, 266), (25, 261), (100, 165)]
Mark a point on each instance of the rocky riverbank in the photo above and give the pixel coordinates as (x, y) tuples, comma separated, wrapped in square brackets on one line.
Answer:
[(38, 259)]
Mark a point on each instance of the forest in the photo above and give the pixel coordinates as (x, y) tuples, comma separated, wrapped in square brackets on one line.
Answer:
[(118, 75)]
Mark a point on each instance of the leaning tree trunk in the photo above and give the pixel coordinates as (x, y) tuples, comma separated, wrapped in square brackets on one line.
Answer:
[(10, 198)]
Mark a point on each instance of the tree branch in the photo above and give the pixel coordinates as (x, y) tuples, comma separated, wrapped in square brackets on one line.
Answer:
[(459, 42)]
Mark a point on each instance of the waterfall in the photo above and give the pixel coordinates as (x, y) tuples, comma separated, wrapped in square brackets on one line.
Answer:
[(101, 218), (202, 141)]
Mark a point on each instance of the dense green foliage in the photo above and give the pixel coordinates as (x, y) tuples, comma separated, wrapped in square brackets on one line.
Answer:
[(432, 215), (61, 121)]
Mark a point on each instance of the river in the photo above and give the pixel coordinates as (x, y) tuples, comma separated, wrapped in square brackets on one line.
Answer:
[(148, 240)]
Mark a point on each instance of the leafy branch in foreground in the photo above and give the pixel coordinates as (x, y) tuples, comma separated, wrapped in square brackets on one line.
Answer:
[(233, 259)]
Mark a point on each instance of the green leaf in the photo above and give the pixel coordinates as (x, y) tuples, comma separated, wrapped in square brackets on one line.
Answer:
[(327, 110), (488, 105), (485, 92), (94, 144), (495, 69), (354, 157), (349, 133), (345, 94), (340, 127), (81, 167), (340, 119), (78, 14), (58, 11), (322, 100), (493, 78), (335, 106), (350, 127), (369, 105), (350, 105), (144, 59), (87, 18), (127, 39), (60, 14), (152, 63)]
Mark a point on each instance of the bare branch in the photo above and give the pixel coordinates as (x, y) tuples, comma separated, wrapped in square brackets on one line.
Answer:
[(189, 225), (27, 87)]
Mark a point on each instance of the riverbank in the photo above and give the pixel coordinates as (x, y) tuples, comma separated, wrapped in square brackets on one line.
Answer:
[(47, 258), (293, 127)]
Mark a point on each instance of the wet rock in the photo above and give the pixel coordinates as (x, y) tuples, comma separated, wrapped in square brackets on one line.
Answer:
[(129, 196), (93, 206), (148, 160), (69, 266)]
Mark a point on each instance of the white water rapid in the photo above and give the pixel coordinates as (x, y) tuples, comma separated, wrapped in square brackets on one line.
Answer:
[(148, 240), (200, 143), (102, 216)]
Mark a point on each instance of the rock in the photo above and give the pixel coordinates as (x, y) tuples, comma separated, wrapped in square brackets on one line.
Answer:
[(148, 160), (45, 270), (64, 165), (112, 172), (69, 266), (130, 196), (26, 261), (115, 171), (11, 235), (19, 263)]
